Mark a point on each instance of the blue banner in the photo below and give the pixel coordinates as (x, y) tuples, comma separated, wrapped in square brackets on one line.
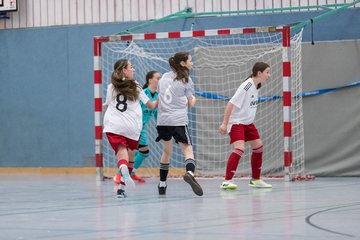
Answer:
[(271, 98)]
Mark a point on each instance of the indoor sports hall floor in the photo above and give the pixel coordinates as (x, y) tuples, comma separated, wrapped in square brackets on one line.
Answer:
[(76, 207)]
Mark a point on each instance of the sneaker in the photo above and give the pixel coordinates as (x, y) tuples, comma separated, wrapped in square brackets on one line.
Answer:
[(120, 194), (162, 190), (117, 178), (228, 185), (259, 184), (193, 183), (137, 178), (126, 177)]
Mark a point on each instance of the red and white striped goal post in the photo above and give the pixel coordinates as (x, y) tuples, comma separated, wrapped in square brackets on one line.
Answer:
[(286, 74)]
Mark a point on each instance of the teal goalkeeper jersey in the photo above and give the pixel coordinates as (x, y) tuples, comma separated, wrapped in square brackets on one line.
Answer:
[(147, 113)]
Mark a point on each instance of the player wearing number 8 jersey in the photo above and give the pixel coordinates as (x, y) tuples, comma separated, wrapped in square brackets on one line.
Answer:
[(123, 118), (176, 95)]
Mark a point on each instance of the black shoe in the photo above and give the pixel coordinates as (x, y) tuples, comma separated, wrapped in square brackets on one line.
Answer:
[(120, 193), (162, 190), (193, 183)]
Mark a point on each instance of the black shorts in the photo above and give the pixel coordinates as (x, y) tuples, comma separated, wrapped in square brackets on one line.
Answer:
[(179, 133)]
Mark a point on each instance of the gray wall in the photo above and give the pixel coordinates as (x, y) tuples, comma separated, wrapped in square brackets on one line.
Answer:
[(332, 120), (46, 94)]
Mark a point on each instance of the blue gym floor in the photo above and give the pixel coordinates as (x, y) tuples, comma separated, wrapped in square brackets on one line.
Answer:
[(77, 207)]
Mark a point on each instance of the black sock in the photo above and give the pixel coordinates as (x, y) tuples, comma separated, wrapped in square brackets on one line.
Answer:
[(190, 165), (164, 169)]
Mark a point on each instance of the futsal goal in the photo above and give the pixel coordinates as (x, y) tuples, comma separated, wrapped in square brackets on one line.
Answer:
[(223, 59)]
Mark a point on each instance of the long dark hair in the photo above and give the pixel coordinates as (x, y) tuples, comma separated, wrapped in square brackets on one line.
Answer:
[(149, 76), (182, 73), (122, 85), (258, 67)]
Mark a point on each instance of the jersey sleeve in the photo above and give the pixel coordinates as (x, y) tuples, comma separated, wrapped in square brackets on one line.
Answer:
[(189, 88), (143, 97), (239, 97)]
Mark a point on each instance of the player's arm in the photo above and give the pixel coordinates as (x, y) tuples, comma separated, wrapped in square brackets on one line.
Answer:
[(191, 101), (227, 113), (190, 93), (151, 105), (146, 100)]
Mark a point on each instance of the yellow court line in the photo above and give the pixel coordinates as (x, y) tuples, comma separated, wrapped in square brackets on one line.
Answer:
[(146, 172)]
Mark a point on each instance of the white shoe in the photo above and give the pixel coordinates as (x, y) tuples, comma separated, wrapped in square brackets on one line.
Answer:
[(227, 184), (259, 184), (126, 176)]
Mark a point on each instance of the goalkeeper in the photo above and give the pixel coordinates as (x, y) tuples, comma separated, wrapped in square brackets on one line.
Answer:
[(239, 123), (150, 88)]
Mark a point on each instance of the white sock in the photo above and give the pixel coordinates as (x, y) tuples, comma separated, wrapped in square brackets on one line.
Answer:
[(122, 167), (162, 184)]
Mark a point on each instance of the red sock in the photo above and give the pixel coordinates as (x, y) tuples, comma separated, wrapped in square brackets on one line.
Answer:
[(233, 163), (256, 162), (122, 161)]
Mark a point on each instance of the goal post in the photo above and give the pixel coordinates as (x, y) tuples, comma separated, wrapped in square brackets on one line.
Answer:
[(223, 58)]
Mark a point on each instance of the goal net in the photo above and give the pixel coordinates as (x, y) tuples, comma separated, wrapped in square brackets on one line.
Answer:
[(223, 59)]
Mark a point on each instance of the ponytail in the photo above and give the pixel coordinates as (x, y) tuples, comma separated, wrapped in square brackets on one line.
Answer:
[(126, 87), (182, 73)]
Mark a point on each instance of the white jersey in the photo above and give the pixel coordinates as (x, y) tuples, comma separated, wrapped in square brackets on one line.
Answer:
[(122, 116), (173, 100), (245, 102)]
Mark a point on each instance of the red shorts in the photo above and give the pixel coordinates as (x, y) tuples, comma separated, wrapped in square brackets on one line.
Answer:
[(117, 140), (243, 132)]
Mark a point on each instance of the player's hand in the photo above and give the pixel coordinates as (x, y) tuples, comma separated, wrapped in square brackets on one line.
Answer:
[(223, 128)]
